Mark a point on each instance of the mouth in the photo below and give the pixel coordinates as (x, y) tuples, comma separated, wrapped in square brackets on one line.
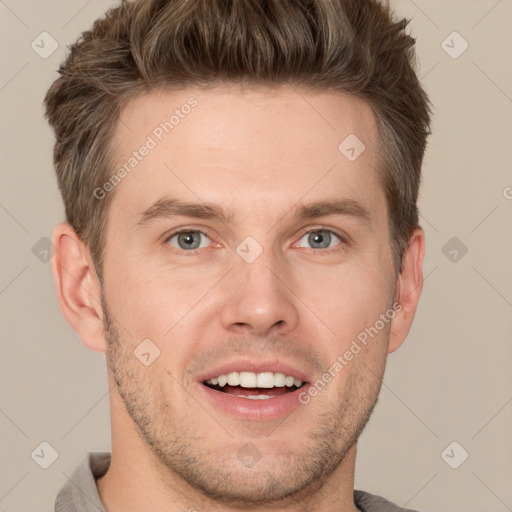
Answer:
[(254, 386), (259, 395)]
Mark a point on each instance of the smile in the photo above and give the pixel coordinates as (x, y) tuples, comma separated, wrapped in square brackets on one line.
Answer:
[(248, 384), (260, 396)]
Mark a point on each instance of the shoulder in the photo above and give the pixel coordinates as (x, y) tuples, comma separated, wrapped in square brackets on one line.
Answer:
[(367, 502)]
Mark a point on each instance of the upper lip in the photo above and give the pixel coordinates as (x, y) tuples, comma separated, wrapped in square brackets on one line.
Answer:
[(255, 366)]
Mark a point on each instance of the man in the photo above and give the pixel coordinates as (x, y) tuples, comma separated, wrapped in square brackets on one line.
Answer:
[(240, 181)]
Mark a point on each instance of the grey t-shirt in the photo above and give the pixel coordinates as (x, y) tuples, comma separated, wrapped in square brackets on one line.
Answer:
[(80, 494)]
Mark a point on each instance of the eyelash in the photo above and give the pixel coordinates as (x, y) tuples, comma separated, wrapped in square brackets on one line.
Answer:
[(343, 239)]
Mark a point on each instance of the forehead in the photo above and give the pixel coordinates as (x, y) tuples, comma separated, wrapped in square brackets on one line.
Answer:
[(213, 114), (227, 145)]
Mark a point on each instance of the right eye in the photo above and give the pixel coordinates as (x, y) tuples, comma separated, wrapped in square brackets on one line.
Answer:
[(187, 240)]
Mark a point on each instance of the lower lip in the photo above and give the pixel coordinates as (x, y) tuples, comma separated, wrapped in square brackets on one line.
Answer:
[(259, 409)]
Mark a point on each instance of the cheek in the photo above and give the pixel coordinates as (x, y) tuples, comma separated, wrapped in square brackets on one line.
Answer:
[(347, 298), (351, 307), (138, 301), (160, 305)]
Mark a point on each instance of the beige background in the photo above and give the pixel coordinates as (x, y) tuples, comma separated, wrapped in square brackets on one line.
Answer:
[(451, 380)]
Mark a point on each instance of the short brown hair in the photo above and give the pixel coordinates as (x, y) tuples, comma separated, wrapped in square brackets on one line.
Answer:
[(353, 46)]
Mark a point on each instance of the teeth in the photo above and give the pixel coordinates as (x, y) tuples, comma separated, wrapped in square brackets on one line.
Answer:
[(233, 379), (256, 397), (279, 380), (248, 380), (265, 380)]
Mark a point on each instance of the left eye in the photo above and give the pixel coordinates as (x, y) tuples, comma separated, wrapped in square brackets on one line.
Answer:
[(188, 240), (320, 238)]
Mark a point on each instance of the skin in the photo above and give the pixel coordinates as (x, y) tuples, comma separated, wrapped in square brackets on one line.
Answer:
[(258, 153)]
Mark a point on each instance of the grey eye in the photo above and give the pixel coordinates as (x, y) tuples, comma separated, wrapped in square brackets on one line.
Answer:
[(187, 240), (320, 238)]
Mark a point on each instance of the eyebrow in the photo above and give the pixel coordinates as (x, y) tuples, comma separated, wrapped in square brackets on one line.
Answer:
[(167, 208)]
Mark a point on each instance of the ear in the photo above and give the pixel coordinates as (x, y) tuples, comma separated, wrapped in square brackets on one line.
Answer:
[(409, 286), (78, 287)]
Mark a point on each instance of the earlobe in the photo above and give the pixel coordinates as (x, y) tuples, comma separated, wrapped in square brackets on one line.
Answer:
[(409, 286), (78, 287)]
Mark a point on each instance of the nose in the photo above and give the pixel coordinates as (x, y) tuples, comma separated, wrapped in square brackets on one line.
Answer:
[(261, 298)]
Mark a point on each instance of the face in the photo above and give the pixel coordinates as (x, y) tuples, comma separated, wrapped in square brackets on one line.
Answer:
[(281, 262)]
